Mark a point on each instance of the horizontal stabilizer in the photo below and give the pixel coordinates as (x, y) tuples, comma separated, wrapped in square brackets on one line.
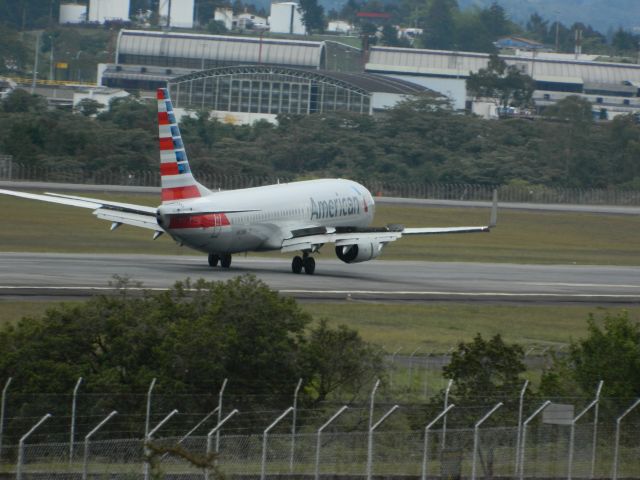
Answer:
[(127, 218)]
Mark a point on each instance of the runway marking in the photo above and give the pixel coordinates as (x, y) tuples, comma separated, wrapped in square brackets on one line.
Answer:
[(474, 294), (349, 292), (598, 285)]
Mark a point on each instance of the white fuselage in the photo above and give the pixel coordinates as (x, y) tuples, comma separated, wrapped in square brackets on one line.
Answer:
[(260, 218)]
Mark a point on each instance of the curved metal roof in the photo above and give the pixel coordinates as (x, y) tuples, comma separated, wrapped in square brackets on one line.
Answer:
[(219, 48), (459, 64), (364, 83)]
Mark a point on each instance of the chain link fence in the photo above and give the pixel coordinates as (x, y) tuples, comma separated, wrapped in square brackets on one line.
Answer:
[(393, 455), (10, 171)]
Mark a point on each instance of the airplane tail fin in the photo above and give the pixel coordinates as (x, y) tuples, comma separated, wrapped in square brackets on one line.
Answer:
[(176, 179)]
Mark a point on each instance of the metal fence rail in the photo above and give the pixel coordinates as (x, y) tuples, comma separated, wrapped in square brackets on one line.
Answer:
[(396, 454), (10, 171)]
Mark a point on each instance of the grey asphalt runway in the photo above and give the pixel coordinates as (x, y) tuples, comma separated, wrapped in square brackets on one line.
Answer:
[(71, 275)]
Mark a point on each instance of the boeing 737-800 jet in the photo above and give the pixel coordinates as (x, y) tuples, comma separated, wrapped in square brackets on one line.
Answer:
[(290, 217)]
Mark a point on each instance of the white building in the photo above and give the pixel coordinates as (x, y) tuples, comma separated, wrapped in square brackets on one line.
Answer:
[(177, 13), (612, 88), (101, 11), (339, 26), (224, 15), (286, 18), (72, 13), (101, 95)]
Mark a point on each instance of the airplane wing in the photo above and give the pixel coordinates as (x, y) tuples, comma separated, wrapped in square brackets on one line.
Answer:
[(311, 239), (116, 212)]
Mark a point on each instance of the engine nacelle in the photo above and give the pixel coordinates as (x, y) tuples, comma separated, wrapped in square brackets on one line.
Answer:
[(360, 252)]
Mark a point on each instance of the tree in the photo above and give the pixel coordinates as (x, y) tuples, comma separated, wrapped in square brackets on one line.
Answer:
[(21, 101), (625, 42), (504, 84), (538, 27), (312, 15), (340, 361), (439, 25), (610, 352), (190, 337), (216, 27), (495, 20), (89, 107), (485, 370)]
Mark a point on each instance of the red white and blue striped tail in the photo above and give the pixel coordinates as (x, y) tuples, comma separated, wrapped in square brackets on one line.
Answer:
[(175, 175)]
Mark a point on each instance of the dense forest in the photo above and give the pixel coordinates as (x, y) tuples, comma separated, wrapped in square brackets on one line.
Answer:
[(419, 140)]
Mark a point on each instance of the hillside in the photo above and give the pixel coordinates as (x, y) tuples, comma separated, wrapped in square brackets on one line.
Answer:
[(601, 14)]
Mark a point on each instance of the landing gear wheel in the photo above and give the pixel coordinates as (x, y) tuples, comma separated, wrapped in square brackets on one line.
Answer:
[(213, 260), (225, 260), (309, 265), (296, 264)]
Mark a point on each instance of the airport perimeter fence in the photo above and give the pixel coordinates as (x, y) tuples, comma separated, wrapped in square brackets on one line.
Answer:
[(10, 171), (545, 451), (115, 436)]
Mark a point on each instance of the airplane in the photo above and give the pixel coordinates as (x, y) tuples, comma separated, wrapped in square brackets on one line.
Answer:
[(289, 217)]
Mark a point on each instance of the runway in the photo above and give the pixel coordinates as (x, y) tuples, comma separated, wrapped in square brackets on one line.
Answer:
[(24, 275)]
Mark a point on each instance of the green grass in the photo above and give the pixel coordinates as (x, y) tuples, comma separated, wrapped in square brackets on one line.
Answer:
[(521, 237), (435, 328), (432, 327)]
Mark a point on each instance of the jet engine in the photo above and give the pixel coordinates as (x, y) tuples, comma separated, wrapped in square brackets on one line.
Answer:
[(360, 252)]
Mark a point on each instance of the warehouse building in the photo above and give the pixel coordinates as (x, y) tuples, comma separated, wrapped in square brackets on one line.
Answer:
[(613, 88)]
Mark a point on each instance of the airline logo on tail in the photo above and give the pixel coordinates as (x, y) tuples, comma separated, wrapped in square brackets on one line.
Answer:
[(175, 175)]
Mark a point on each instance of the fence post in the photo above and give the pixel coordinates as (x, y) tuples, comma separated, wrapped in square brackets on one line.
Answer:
[(425, 454), (263, 470), (595, 429), (393, 365), (293, 424), (4, 398), (411, 368), (220, 395), (335, 415), (444, 420), (216, 429), (147, 438), (86, 444), (21, 445), (476, 438), (521, 405), (146, 424), (617, 440), (73, 419), (370, 442), (572, 437), (372, 402), (524, 435)]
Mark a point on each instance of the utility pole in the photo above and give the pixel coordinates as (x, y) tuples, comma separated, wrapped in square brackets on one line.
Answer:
[(51, 59)]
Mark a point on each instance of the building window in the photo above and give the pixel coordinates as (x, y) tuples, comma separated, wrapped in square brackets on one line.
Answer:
[(626, 101), (599, 100)]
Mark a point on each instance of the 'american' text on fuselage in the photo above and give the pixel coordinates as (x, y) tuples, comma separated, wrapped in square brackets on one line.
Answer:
[(336, 207)]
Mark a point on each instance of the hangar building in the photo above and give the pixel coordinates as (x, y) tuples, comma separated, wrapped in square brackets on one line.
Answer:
[(246, 93), (146, 60), (613, 88)]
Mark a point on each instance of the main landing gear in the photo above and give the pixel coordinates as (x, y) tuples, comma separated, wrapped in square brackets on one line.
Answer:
[(306, 262), (225, 260)]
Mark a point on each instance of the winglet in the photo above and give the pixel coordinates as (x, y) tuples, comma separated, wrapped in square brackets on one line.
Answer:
[(493, 221)]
